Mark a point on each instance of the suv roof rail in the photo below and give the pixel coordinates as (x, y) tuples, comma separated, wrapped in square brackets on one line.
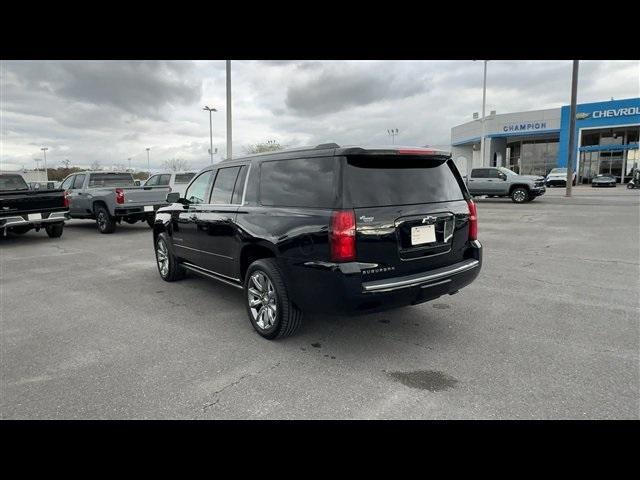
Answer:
[(327, 145)]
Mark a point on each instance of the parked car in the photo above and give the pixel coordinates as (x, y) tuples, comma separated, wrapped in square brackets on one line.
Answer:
[(23, 209), (110, 197), (326, 229), (603, 180), (176, 181), (558, 177), (502, 182)]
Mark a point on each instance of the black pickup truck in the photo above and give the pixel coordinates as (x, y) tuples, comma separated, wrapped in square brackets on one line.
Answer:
[(22, 209)]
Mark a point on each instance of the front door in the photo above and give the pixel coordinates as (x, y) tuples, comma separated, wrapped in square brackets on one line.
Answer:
[(185, 238)]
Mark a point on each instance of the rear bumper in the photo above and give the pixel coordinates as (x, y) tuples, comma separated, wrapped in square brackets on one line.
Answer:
[(338, 288), (138, 210), (19, 221)]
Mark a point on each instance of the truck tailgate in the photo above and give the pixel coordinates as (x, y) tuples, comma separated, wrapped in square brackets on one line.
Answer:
[(12, 203), (139, 196)]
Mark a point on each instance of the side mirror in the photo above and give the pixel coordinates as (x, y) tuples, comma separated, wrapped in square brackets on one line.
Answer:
[(173, 197)]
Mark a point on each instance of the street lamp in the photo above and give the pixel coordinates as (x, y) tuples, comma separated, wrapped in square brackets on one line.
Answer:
[(46, 174), (129, 163), (148, 164), (484, 104), (393, 132), (210, 131)]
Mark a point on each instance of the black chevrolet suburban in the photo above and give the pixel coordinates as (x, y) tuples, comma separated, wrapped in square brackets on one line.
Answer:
[(326, 229)]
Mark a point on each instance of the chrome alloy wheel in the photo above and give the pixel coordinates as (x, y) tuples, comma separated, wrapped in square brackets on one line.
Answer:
[(262, 300), (102, 220), (162, 254), (519, 196)]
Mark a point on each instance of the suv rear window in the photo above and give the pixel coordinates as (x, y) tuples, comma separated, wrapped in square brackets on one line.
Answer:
[(305, 182), (111, 180), (372, 181)]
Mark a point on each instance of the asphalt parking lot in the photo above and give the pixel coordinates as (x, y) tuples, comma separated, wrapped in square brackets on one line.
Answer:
[(549, 330)]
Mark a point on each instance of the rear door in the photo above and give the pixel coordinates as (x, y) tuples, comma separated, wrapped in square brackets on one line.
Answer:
[(411, 212), (78, 198), (478, 181)]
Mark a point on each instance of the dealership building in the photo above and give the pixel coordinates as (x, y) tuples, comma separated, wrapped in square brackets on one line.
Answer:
[(534, 142)]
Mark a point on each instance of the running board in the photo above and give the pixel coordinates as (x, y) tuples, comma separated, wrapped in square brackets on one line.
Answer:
[(209, 274)]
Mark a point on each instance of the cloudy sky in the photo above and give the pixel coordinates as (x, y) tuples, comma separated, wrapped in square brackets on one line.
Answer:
[(109, 111)]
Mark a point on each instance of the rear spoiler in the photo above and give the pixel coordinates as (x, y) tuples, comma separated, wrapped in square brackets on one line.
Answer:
[(418, 151)]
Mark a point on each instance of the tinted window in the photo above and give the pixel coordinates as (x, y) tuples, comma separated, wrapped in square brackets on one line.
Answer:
[(223, 187), (298, 183), (184, 177), (111, 180), (164, 179), (198, 190), (79, 180), (67, 183), (479, 173), (239, 188), (378, 181), (12, 182), (493, 173)]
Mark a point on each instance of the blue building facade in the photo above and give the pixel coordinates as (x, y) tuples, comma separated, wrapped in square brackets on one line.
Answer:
[(606, 138)]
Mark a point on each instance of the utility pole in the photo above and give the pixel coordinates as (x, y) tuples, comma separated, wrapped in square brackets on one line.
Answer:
[(572, 127), (46, 173), (484, 104), (129, 163), (210, 131), (393, 132), (229, 137), (148, 164)]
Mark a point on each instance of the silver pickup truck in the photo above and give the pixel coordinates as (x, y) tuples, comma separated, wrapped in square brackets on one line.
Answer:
[(110, 197), (502, 182)]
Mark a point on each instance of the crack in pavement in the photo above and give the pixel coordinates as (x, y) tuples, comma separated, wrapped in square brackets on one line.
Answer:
[(208, 405)]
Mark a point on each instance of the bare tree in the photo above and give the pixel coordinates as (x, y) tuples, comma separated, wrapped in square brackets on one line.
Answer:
[(176, 165), (96, 165), (268, 146)]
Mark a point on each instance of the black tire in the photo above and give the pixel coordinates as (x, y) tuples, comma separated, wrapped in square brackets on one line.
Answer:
[(106, 223), (151, 220), (174, 270), (520, 195), (287, 317), (54, 230)]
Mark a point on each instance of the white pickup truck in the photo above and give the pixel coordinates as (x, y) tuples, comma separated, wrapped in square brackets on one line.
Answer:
[(110, 197)]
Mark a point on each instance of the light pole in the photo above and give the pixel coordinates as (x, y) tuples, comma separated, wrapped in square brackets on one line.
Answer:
[(148, 164), (484, 104), (572, 127), (229, 137), (210, 131), (393, 132), (129, 163), (46, 174)]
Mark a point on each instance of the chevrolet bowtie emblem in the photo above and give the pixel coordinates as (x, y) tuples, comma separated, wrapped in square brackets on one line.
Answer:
[(428, 219)]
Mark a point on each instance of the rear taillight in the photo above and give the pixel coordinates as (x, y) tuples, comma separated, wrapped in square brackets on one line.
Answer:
[(473, 220), (342, 237), (65, 200), (119, 196)]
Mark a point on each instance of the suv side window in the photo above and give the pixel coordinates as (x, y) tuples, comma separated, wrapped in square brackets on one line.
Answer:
[(197, 191), (239, 188), (223, 186), (78, 182), (66, 185), (300, 182)]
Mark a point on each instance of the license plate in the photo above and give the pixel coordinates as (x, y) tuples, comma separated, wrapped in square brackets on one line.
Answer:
[(148, 208), (423, 234), (34, 216)]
